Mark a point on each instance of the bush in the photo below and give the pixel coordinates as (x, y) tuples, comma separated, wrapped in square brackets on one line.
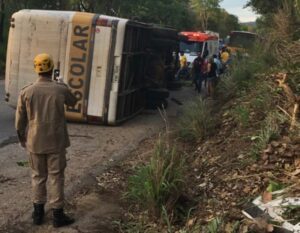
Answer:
[(158, 185), (197, 121), (241, 74)]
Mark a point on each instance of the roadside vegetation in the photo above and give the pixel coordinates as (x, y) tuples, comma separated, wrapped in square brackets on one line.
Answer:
[(244, 144), (197, 121), (159, 184)]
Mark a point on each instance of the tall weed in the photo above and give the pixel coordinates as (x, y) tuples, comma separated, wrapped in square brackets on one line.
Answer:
[(215, 225), (158, 185), (242, 115), (262, 98), (197, 121), (269, 132)]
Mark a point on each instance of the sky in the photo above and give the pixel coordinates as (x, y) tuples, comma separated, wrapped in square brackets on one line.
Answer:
[(236, 7)]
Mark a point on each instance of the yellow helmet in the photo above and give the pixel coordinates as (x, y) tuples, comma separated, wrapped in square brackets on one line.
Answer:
[(43, 63)]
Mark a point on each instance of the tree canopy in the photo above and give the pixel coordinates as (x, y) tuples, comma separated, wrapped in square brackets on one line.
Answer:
[(180, 14), (191, 15), (265, 6)]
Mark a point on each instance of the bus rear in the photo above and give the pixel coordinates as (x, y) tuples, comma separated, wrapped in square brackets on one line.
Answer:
[(31, 33), (241, 41)]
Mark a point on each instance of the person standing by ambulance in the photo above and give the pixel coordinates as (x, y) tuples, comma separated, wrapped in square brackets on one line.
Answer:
[(225, 57), (183, 70), (204, 67), (211, 77), (197, 74), (42, 130)]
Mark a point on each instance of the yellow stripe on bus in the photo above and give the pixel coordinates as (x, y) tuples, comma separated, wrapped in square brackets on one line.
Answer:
[(78, 63)]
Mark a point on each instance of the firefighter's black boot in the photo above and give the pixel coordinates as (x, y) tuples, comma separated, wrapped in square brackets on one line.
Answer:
[(38, 214), (60, 219)]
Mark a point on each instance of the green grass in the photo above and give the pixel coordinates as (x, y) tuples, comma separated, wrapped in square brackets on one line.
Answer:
[(215, 225), (270, 131), (294, 82), (263, 97), (157, 186), (197, 121), (242, 115)]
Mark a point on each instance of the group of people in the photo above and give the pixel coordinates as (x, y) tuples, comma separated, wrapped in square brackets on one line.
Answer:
[(205, 70)]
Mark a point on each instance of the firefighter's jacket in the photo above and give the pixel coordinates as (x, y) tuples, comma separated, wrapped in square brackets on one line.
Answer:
[(40, 116)]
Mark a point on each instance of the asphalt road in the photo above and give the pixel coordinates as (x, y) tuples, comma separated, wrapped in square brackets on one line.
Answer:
[(7, 117)]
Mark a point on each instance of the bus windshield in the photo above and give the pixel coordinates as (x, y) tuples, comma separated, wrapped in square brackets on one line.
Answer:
[(242, 39), (191, 47)]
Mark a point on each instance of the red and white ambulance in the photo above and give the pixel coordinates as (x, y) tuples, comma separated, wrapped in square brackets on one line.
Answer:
[(193, 43)]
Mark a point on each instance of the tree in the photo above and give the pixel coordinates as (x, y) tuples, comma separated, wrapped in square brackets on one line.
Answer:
[(204, 10), (265, 6), (270, 9), (223, 22)]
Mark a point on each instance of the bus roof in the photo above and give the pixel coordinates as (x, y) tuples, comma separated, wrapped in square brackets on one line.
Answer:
[(198, 36)]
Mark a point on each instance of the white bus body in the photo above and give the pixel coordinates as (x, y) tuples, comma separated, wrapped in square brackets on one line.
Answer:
[(100, 58)]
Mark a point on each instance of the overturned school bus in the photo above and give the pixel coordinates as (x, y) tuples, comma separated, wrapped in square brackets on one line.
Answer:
[(106, 61)]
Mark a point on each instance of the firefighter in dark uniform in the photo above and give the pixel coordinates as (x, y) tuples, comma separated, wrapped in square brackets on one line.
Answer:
[(42, 130)]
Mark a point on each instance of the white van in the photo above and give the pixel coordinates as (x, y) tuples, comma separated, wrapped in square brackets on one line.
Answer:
[(101, 58)]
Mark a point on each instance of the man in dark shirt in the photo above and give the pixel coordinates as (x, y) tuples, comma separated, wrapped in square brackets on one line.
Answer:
[(197, 72)]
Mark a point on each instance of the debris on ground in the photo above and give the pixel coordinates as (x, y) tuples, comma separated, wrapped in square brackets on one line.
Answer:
[(279, 211)]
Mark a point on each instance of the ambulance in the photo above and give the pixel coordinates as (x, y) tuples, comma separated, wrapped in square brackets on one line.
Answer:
[(103, 60), (194, 43)]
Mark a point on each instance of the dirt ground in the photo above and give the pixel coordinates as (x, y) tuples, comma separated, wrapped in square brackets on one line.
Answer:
[(93, 150)]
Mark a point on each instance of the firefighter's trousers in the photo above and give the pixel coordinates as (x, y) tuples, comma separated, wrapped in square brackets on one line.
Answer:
[(48, 167)]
